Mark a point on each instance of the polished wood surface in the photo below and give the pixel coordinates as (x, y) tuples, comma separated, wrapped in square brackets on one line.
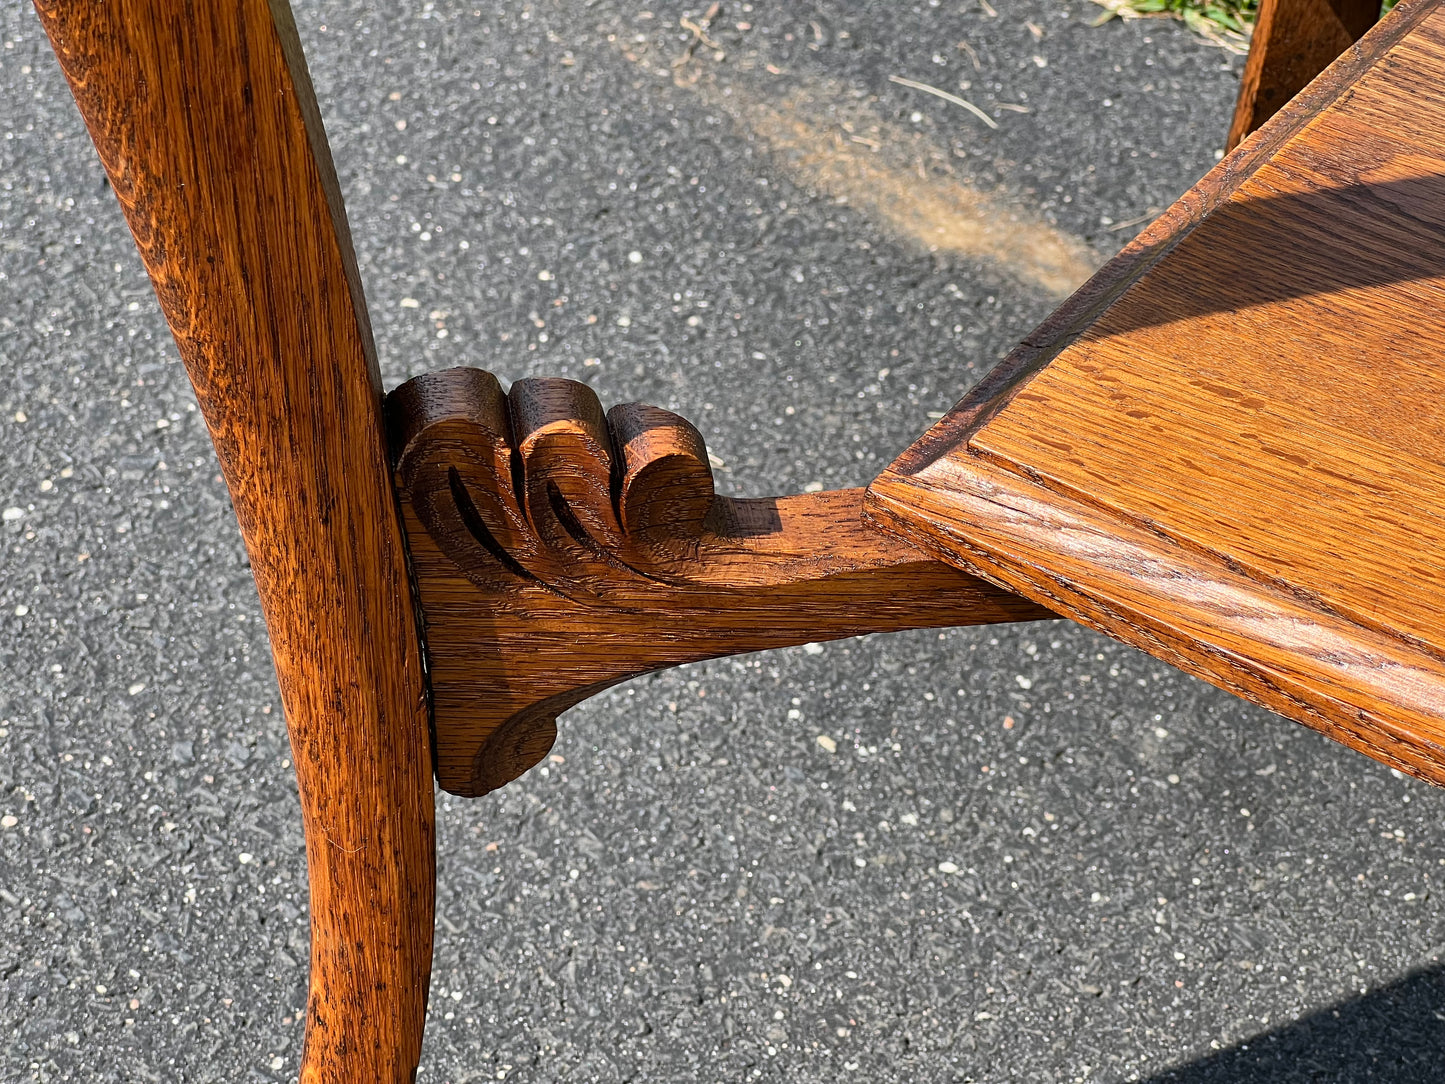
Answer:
[(206, 124), (1293, 41), (550, 566), (1229, 448)]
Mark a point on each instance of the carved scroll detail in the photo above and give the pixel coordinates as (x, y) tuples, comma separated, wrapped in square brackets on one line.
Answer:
[(558, 550)]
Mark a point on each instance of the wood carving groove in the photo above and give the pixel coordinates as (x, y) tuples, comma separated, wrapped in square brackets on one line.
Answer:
[(557, 550)]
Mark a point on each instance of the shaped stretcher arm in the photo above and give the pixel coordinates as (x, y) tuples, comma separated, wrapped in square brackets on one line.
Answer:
[(557, 550)]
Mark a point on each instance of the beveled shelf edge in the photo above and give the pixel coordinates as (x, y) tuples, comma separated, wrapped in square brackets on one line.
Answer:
[(1077, 314), (995, 523), (1377, 694)]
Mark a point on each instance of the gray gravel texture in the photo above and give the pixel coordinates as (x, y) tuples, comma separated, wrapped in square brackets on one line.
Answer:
[(1035, 855)]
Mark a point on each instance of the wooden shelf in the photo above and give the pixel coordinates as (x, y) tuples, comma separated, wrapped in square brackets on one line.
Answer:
[(1228, 449)]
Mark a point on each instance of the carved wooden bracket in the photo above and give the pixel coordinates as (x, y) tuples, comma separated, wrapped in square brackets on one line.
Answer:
[(557, 550)]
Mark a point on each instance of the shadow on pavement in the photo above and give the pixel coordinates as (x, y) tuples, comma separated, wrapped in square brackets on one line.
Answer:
[(1392, 1035)]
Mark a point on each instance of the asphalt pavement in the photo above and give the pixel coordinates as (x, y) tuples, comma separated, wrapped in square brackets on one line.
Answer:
[(1030, 854)]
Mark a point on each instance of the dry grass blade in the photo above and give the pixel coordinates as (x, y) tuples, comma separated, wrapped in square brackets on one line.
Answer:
[(699, 35), (1226, 23), (946, 96)]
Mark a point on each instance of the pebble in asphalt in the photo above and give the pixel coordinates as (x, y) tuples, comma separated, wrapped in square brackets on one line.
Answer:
[(1023, 853)]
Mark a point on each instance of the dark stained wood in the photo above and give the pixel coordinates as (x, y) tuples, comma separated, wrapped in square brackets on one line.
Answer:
[(1294, 40), (206, 124), (1357, 16), (1230, 449), (536, 592)]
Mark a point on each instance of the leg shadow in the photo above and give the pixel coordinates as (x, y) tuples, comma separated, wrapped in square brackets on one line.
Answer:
[(1393, 1035)]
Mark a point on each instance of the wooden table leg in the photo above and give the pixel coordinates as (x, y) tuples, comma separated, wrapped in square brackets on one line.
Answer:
[(206, 123), (1294, 40)]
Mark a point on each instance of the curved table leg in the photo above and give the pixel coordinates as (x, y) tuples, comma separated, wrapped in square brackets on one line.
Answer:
[(205, 121)]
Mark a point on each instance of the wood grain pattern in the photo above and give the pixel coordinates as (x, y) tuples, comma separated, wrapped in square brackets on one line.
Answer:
[(557, 551), (1234, 456), (206, 124), (1294, 41)]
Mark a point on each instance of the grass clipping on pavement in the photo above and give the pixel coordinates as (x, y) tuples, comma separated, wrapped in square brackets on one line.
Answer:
[(1226, 23)]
